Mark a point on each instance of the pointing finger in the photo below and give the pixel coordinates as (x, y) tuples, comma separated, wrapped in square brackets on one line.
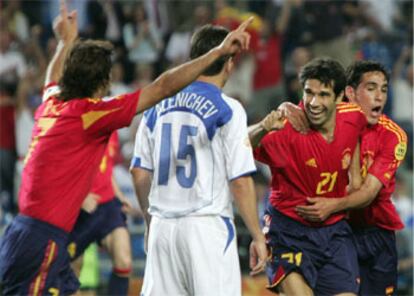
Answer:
[(245, 24)]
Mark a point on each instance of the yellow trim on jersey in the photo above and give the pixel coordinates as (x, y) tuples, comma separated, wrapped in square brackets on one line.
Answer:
[(350, 110), (391, 126), (91, 117), (347, 105)]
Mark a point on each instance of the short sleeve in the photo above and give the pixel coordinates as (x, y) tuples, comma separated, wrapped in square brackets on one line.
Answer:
[(109, 113), (50, 90), (271, 149), (391, 154), (237, 148), (143, 146)]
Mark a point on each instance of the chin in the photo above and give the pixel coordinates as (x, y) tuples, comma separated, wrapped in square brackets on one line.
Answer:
[(372, 121)]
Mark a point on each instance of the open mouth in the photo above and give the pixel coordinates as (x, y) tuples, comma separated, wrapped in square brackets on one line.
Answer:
[(376, 109), (376, 112)]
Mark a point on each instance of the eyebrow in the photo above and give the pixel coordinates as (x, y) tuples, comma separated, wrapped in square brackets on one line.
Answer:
[(372, 83)]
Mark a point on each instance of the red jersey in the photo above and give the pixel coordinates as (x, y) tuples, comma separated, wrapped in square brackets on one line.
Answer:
[(307, 165), (102, 184), (383, 148), (68, 142), (7, 128)]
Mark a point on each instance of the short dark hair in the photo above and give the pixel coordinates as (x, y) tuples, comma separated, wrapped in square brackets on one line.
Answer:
[(356, 70), (326, 70), (87, 68), (205, 39)]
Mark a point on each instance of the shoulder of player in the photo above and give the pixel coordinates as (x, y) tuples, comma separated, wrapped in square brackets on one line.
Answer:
[(348, 108), (388, 128), (350, 112), (232, 103)]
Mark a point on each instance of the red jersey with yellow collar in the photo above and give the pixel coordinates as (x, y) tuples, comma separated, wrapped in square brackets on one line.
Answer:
[(383, 148), (68, 142), (102, 184), (307, 165)]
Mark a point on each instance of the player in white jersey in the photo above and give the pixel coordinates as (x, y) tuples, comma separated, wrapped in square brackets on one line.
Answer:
[(192, 158)]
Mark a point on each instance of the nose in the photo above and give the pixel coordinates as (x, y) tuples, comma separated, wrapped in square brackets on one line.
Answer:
[(379, 96), (314, 101)]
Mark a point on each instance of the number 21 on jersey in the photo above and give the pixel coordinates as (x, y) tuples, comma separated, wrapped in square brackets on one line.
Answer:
[(327, 183), (185, 151)]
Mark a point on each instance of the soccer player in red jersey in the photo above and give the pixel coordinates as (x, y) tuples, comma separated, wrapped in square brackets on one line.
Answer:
[(375, 218), (102, 220), (311, 258), (72, 128)]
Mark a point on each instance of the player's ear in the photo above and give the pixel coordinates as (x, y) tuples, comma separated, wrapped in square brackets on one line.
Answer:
[(350, 93), (229, 65)]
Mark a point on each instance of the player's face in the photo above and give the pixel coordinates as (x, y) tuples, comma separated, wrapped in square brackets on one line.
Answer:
[(371, 95), (320, 103)]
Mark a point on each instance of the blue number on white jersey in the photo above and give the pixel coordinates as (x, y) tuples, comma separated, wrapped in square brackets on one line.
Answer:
[(184, 150)]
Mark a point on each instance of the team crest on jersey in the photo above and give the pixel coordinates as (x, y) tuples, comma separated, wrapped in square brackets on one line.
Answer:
[(346, 158), (400, 150), (367, 161)]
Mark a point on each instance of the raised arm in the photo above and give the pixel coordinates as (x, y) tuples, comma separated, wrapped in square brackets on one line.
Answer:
[(65, 27), (175, 79), (245, 199)]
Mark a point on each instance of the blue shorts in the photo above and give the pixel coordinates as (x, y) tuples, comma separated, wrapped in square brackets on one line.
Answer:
[(34, 261), (377, 256), (94, 227), (324, 256)]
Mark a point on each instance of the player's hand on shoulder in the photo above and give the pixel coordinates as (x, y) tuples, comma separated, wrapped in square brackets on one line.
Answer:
[(273, 121), (65, 25), (90, 203), (236, 40), (296, 116)]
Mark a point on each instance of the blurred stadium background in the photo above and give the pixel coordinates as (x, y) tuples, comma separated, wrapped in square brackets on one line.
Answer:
[(152, 35)]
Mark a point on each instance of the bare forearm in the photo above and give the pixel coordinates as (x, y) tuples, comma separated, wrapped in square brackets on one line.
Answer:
[(358, 199), (142, 185), (256, 133), (245, 199), (362, 197), (55, 69), (170, 82)]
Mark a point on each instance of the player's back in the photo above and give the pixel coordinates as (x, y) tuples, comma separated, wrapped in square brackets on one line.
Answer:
[(192, 138), (68, 141)]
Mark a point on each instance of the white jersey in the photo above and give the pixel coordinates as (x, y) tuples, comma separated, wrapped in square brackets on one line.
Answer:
[(195, 143)]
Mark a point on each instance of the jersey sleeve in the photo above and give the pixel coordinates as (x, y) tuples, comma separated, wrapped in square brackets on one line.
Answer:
[(390, 156), (236, 145), (50, 90), (143, 146), (109, 114), (271, 149)]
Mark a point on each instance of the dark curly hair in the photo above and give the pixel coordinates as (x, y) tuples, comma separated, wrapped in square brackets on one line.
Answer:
[(326, 70), (87, 69), (356, 70)]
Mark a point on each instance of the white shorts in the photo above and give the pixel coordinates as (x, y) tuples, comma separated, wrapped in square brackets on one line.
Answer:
[(192, 256)]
